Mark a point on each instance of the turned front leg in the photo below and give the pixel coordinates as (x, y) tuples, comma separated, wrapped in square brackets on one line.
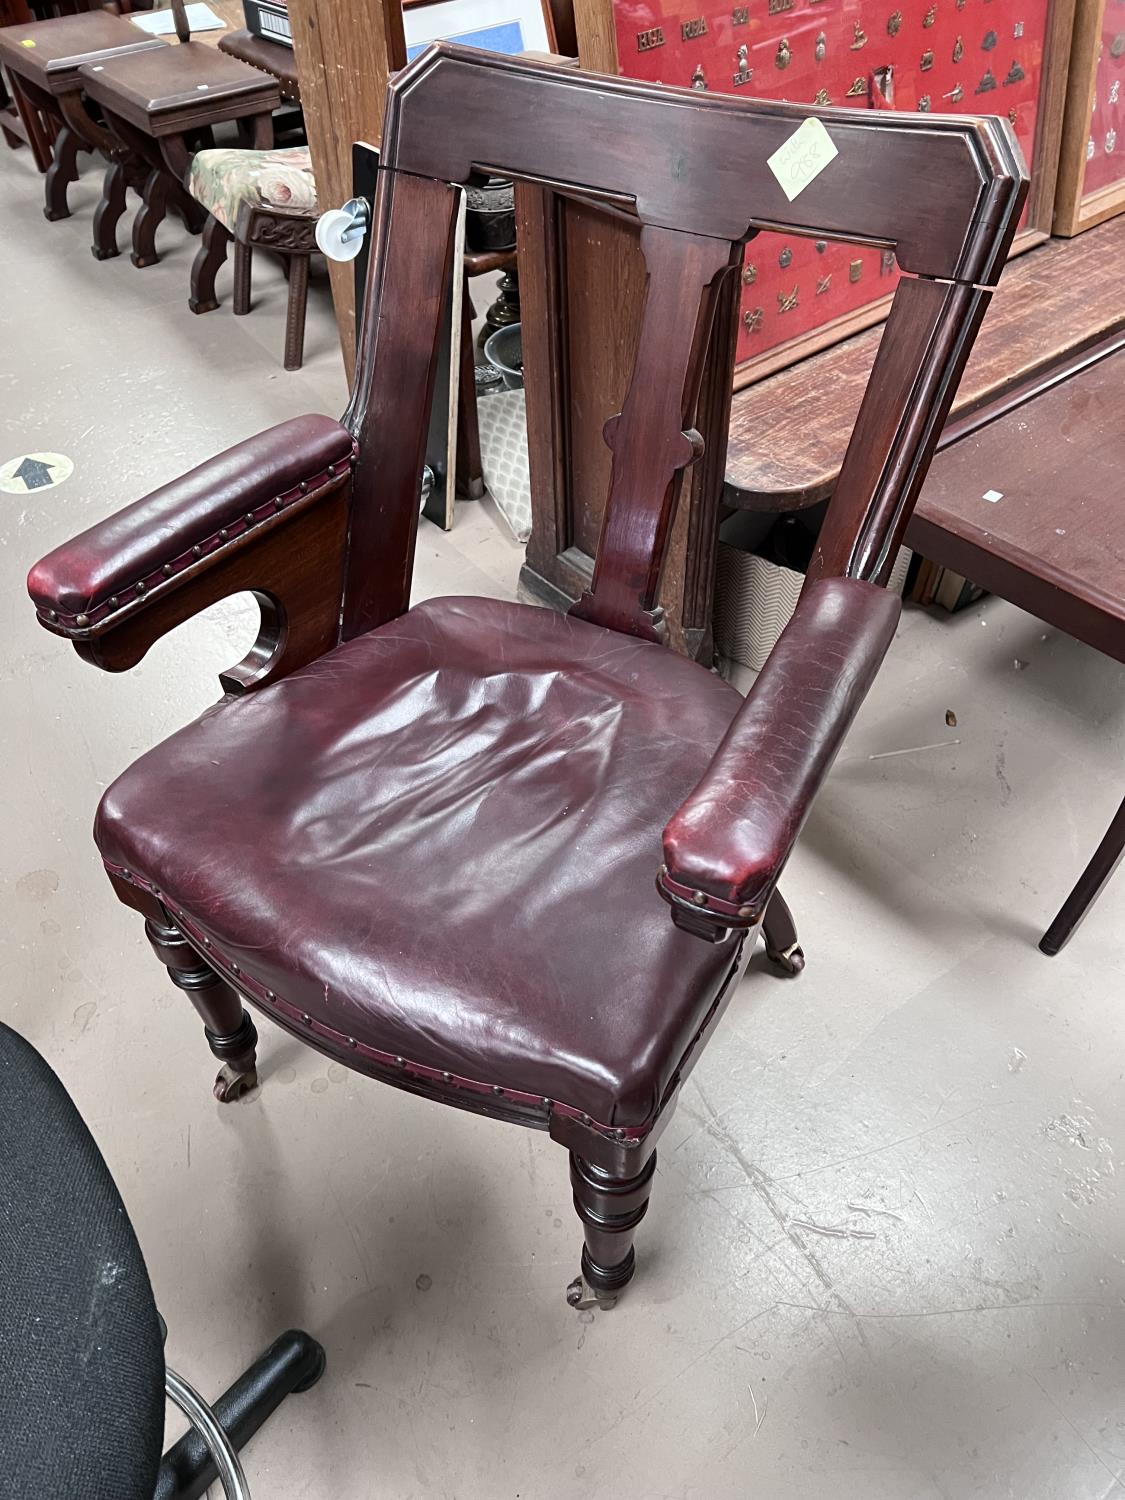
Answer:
[(610, 1209), (230, 1032)]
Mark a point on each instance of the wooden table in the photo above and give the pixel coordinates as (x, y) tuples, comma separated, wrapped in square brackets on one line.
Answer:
[(1054, 543)]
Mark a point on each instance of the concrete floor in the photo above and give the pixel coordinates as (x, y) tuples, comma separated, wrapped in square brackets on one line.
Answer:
[(931, 1083)]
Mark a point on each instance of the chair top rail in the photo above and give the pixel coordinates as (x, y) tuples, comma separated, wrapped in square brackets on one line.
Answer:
[(936, 188)]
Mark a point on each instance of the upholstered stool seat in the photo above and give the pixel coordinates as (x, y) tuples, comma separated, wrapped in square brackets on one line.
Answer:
[(225, 179), (431, 840), (265, 198)]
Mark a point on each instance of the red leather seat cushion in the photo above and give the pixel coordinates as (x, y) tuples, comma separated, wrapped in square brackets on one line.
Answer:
[(442, 840)]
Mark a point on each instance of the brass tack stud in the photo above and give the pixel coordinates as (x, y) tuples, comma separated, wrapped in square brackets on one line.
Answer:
[(249, 518), (304, 486), (270, 995), (142, 587), (235, 969), (352, 1042), (586, 1120), (126, 875), (279, 503), (114, 601), (306, 1018), (447, 1077), (167, 570), (400, 1062), (699, 898), (331, 471), (197, 552), (496, 1089), (53, 615), (546, 1102), (745, 911), (82, 621), (224, 534), (207, 942)]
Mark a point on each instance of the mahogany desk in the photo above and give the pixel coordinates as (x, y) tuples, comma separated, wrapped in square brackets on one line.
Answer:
[(1054, 544)]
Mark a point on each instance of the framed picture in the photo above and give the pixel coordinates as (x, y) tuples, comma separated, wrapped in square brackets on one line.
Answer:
[(508, 26), (1091, 185), (1004, 57)]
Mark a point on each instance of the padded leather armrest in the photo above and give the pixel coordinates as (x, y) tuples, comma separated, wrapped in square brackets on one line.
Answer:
[(113, 565), (725, 846)]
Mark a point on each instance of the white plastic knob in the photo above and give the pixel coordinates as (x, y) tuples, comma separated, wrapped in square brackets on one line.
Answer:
[(339, 234)]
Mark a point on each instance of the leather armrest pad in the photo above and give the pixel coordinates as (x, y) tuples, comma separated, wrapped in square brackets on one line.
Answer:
[(126, 553), (732, 835)]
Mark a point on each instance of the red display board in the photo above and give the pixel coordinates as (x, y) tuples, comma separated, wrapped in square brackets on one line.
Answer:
[(943, 56)]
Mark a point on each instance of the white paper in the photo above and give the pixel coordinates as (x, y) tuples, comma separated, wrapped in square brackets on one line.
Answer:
[(992, 496), (163, 23), (803, 156)]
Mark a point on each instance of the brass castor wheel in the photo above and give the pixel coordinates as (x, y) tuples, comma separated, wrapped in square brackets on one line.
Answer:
[(581, 1295), (791, 960), (231, 1084)]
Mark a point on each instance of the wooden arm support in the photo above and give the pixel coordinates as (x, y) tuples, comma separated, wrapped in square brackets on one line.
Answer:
[(268, 516), (725, 847)]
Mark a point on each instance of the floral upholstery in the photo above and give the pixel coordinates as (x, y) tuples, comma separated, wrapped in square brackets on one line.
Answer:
[(224, 180)]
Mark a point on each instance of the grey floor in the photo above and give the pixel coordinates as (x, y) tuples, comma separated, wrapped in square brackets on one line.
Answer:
[(884, 1257)]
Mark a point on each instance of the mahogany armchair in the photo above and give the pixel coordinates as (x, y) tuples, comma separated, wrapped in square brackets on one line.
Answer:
[(427, 841)]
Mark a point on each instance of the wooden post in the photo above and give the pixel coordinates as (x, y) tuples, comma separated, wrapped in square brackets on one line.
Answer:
[(345, 51)]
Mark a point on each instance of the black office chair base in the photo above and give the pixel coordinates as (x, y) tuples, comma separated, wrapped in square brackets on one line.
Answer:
[(293, 1362)]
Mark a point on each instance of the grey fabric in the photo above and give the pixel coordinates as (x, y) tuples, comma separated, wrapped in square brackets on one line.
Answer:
[(81, 1362)]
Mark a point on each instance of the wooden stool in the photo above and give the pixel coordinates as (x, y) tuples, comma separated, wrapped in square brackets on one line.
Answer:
[(43, 60), (265, 198), (161, 105)]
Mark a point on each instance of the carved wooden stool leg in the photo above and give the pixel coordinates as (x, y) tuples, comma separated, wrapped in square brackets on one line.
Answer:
[(243, 263), (780, 933), (295, 311), (149, 218), (107, 215), (205, 267), (60, 174), (610, 1209), (230, 1032), (1107, 856)]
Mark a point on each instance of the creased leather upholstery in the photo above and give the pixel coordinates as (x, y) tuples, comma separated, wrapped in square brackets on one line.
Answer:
[(732, 836), (110, 556), (441, 839)]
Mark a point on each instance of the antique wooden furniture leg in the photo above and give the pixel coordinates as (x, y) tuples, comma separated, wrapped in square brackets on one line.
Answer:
[(243, 269), (205, 267), (780, 933), (1107, 856), (34, 126), (230, 1033), (295, 310), (610, 1209), (61, 173), (149, 218)]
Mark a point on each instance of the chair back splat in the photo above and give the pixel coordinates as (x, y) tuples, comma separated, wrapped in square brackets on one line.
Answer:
[(692, 171)]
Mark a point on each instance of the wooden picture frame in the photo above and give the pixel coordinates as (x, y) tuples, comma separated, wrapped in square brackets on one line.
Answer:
[(671, 37), (1095, 117), (509, 27)]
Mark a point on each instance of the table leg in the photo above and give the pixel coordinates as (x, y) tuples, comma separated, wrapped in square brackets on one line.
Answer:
[(38, 137), (206, 265), (61, 173), (1106, 858), (149, 218)]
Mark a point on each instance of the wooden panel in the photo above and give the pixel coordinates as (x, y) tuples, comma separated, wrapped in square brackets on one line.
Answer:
[(788, 434), (345, 51)]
